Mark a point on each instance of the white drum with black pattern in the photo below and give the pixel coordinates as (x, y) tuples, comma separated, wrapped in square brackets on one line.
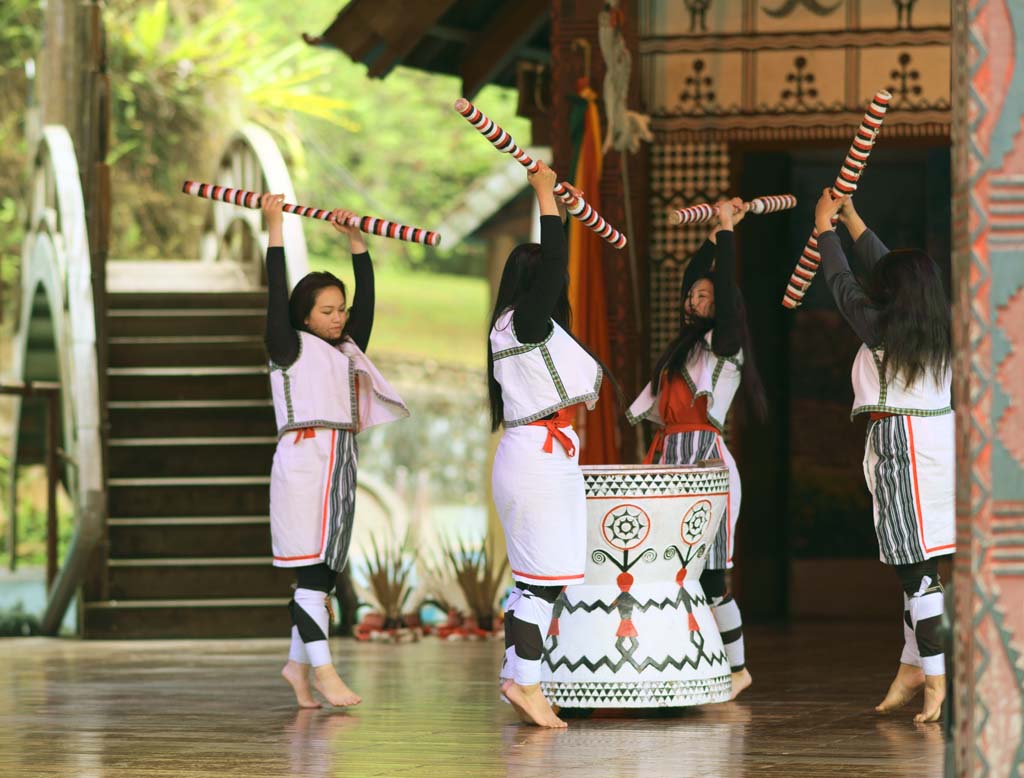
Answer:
[(638, 632)]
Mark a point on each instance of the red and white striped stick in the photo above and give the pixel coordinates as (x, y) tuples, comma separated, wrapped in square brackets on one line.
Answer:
[(504, 142), (704, 212), (845, 184), (368, 224)]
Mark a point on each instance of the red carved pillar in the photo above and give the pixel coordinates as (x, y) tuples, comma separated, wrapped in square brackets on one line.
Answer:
[(988, 282)]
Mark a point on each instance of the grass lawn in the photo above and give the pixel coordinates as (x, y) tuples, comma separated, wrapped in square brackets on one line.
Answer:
[(426, 315)]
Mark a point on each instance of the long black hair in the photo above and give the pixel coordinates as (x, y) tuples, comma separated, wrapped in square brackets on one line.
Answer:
[(690, 339), (303, 297), (517, 279), (915, 315)]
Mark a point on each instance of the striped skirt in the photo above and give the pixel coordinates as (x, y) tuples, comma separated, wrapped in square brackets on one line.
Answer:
[(313, 498), (910, 469), (689, 448)]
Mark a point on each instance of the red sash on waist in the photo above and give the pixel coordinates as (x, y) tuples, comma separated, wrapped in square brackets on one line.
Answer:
[(555, 425)]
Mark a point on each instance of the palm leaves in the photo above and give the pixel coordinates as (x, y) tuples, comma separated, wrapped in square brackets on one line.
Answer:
[(478, 574), (389, 570)]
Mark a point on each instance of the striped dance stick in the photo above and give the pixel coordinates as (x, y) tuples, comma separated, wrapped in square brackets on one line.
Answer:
[(368, 224), (845, 184), (504, 142), (704, 212)]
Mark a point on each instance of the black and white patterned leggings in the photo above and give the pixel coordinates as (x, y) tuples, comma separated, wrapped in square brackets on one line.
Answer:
[(310, 615), (922, 616)]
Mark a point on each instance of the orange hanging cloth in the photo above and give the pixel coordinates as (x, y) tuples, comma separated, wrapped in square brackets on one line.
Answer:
[(597, 429)]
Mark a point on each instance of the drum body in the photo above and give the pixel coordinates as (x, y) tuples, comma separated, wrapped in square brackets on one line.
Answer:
[(638, 632)]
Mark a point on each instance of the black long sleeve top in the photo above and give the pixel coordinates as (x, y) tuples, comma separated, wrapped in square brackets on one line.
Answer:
[(851, 299), (726, 339), (282, 340), (532, 316)]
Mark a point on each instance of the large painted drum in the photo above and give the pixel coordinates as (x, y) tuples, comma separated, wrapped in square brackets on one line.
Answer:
[(638, 632)]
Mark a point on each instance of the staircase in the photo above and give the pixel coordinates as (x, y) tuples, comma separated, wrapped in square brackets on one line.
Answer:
[(191, 440)]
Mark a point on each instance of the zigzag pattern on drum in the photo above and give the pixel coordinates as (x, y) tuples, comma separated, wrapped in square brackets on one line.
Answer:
[(845, 184), (714, 659), (586, 607)]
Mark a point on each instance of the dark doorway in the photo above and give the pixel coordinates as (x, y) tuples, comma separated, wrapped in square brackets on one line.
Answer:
[(806, 543)]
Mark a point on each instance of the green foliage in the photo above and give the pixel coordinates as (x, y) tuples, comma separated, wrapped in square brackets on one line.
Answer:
[(425, 315), (182, 77), (17, 622), (184, 74), (32, 514), (20, 33)]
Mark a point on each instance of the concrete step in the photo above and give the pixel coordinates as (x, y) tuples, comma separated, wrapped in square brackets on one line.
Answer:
[(191, 418), (241, 617), (185, 321), (185, 350), (213, 577), (188, 536), (208, 496), (159, 276), (211, 300), (191, 456), (188, 383)]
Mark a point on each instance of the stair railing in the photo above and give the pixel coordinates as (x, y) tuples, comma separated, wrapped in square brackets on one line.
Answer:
[(251, 160), (56, 290)]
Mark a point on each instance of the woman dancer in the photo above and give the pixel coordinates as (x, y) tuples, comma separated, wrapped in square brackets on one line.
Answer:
[(696, 378), (325, 391), (901, 377), (539, 374)]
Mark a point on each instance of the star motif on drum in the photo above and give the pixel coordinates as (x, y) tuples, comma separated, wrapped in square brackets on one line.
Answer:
[(695, 522), (625, 527)]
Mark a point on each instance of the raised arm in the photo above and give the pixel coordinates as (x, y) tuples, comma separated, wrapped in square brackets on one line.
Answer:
[(281, 340), (853, 303), (726, 338), (532, 316), (361, 308), (699, 264), (867, 248)]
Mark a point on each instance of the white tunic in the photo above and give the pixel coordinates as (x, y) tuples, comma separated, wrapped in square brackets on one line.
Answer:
[(540, 497), (717, 378), (708, 375), (909, 460), (334, 387), (538, 379), (928, 396), (325, 397)]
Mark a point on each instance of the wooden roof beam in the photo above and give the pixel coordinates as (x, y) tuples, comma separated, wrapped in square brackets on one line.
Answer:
[(499, 43), (381, 33)]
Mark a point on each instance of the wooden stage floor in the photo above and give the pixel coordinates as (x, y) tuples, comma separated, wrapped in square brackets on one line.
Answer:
[(210, 709)]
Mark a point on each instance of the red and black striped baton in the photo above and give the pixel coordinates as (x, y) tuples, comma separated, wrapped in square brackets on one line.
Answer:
[(368, 224), (705, 212), (504, 142), (845, 184)]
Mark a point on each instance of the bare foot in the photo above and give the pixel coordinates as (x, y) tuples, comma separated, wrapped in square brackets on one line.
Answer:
[(520, 711), (907, 683), (330, 685), (740, 681), (534, 704), (934, 695), (297, 674)]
